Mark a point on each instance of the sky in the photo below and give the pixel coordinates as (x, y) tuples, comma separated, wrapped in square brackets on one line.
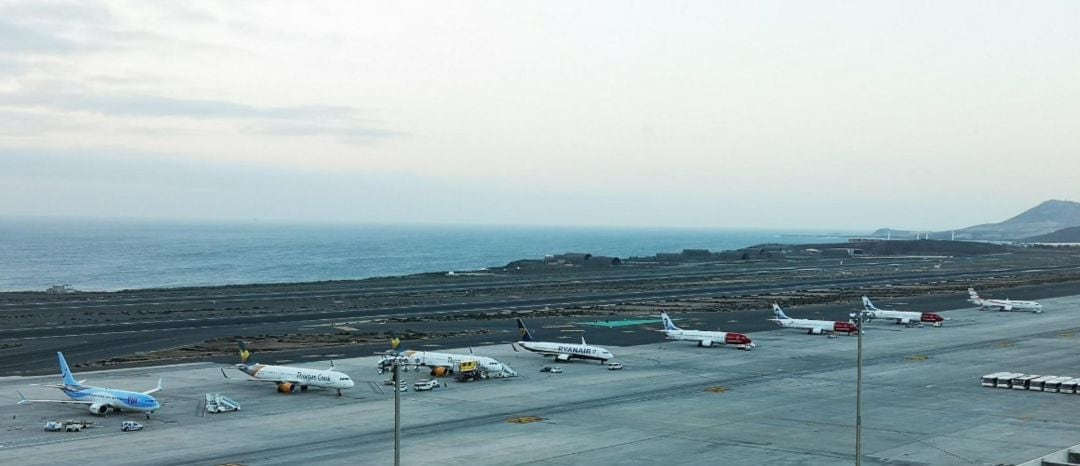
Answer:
[(771, 114)]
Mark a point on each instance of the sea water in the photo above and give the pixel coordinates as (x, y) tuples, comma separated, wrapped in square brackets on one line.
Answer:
[(104, 255)]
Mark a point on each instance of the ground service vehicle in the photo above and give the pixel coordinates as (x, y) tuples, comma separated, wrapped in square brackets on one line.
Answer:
[(130, 426)]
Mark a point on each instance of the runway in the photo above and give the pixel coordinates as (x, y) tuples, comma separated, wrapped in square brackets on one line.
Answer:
[(124, 327)]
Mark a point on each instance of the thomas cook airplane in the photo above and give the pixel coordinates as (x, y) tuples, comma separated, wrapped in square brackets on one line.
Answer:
[(442, 364), (561, 351), (100, 400), (1003, 304), (291, 379)]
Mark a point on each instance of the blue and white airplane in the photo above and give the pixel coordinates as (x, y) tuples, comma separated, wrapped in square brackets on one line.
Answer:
[(100, 400)]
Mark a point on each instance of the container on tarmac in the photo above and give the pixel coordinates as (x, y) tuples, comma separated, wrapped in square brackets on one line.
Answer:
[(990, 380), (1069, 386)]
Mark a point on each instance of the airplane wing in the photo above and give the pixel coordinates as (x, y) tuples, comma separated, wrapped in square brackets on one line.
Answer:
[(155, 389), (24, 401)]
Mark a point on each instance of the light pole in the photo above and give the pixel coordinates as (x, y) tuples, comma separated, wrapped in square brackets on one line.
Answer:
[(858, 395), (397, 415)]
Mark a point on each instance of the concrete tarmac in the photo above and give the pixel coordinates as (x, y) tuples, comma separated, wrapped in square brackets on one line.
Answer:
[(790, 401)]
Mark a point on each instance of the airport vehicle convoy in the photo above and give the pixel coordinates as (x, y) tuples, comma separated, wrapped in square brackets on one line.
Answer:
[(1003, 304), (812, 327), (100, 401), (130, 426), (550, 369), (424, 385), (908, 318), (291, 379), (705, 338), (560, 351)]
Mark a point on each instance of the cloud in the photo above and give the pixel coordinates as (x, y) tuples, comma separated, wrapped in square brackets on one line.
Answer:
[(18, 39), (346, 124)]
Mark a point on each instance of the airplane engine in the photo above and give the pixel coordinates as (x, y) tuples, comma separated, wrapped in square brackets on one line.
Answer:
[(288, 387), (904, 321), (705, 343), (439, 371), (815, 331), (100, 409), (562, 357)]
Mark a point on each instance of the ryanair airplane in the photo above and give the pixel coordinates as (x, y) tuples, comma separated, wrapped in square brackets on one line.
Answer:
[(291, 379), (100, 400), (561, 351)]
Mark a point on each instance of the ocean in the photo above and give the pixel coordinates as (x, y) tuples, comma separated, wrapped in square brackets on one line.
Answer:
[(109, 255)]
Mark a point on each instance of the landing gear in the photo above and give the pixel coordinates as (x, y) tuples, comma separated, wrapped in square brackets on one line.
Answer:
[(339, 392), (148, 415)]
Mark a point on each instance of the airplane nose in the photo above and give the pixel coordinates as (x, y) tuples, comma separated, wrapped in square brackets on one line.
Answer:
[(349, 383)]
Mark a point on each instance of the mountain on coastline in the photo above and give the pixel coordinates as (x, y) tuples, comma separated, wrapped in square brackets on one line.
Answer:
[(1043, 219), (1064, 235)]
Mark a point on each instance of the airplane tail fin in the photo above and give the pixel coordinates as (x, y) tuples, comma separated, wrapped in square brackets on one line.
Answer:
[(523, 333), (867, 304), (668, 324), (245, 355), (972, 293), (65, 371), (779, 313)]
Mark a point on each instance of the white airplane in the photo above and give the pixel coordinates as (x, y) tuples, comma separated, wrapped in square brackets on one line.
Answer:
[(704, 337), (290, 379), (812, 327), (100, 400), (442, 364), (1003, 304), (561, 351), (901, 317)]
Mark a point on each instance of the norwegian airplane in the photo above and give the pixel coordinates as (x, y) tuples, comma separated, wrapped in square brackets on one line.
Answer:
[(290, 379), (705, 338), (442, 364), (1003, 304), (901, 317), (812, 327), (561, 351)]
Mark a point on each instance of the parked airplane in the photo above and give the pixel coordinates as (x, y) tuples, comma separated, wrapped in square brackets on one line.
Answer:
[(1003, 304), (442, 364), (813, 327), (901, 317), (561, 351), (290, 379), (100, 400), (704, 337)]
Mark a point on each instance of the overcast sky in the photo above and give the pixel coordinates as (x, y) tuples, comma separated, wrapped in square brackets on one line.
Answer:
[(815, 114)]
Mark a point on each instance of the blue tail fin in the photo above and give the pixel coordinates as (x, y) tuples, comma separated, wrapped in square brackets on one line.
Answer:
[(779, 312), (867, 305), (65, 371), (523, 332), (668, 324)]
